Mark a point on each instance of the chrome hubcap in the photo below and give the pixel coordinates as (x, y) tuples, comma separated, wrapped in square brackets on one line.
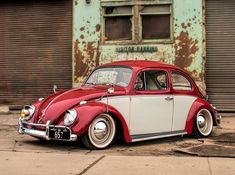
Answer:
[(204, 122), (201, 121), (100, 130)]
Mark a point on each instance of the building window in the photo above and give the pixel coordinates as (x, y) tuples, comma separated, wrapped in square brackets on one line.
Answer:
[(137, 21), (117, 23), (156, 22)]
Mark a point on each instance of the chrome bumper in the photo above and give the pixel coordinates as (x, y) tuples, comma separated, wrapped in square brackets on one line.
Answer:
[(218, 118), (39, 133)]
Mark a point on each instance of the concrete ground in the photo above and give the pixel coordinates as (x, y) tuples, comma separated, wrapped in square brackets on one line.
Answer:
[(20, 154)]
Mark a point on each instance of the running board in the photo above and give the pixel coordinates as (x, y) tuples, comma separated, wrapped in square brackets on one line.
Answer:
[(142, 137)]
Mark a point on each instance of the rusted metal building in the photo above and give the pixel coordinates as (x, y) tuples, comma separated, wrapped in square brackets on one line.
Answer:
[(60, 41)]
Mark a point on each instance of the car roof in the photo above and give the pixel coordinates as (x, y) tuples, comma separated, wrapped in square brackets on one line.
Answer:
[(141, 64)]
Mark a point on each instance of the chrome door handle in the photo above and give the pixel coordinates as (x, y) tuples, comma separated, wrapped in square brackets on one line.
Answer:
[(169, 98)]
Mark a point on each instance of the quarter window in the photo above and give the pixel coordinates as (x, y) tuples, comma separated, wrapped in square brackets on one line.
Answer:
[(179, 82)]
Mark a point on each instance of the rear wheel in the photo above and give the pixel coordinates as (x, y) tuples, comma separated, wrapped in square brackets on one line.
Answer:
[(100, 133), (203, 124)]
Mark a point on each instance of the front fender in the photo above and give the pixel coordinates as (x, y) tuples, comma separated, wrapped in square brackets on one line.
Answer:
[(88, 112), (197, 105)]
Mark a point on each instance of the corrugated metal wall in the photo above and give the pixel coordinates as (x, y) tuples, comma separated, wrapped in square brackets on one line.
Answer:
[(35, 49), (220, 43)]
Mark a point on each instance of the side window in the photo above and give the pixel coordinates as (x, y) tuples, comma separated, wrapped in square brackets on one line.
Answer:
[(179, 82), (151, 81)]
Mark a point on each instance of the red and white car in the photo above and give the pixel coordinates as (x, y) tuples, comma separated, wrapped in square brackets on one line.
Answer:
[(137, 100)]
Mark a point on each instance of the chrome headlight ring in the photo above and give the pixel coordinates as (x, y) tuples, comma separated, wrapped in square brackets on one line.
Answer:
[(27, 112), (70, 117)]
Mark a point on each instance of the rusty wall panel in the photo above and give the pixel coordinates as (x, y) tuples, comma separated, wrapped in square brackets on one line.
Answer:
[(35, 49), (86, 38), (189, 39), (220, 64)]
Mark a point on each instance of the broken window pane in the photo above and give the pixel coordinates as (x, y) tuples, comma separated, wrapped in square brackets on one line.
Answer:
[(156, 26), (117, 10), (118, 28)]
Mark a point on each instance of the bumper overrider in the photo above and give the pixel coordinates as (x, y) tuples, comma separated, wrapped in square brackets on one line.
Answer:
[(218, 118), (30, 129)]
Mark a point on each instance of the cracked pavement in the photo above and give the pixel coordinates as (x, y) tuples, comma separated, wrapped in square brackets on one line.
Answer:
[(21, 154)]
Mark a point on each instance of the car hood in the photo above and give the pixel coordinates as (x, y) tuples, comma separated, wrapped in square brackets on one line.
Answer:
[(54, 106)]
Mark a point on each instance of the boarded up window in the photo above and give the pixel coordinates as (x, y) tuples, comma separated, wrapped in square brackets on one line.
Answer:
[(136, 21), (156, 21), (118, 23), (155, 26), (118, 28)]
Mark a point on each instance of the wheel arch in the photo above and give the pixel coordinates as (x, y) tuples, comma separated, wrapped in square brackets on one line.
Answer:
[(88, 112), (122, 128), (197, 105)]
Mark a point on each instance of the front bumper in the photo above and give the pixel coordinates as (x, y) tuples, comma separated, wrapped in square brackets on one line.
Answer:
[(218, 118), (44, 134)]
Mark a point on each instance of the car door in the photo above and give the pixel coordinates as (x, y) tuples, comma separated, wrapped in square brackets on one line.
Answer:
[(183, 100), (151, 107)]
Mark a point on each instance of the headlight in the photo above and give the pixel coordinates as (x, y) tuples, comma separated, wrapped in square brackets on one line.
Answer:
[(70, 117), (27, 112)]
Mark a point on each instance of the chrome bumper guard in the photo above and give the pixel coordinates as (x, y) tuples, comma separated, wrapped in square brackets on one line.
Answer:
[(218, 118), (38, 133)]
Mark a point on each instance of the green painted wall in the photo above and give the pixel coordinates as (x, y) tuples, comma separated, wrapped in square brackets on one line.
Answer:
[(186, 48)]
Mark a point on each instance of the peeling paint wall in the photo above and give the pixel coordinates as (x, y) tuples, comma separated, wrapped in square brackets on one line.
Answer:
[(86, 38), (186, 48), (189, 48)]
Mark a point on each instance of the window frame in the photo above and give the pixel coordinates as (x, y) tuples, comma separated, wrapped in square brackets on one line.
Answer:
[(136, 21), (103, 16), (166, 40)]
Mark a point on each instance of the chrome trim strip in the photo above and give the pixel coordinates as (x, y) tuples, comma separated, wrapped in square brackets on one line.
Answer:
[(42, 134), (141, 137)]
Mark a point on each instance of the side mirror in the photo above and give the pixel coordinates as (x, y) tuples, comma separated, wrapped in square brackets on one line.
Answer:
[(110, 90)]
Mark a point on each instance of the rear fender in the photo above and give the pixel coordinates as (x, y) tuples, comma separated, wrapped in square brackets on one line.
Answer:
[(88, 112), (197, 105)]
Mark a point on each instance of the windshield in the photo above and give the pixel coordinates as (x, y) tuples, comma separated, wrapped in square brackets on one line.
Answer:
[(119, 76)]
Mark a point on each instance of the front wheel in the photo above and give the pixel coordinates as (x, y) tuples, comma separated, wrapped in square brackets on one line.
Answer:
[(203, 124), (100, 133)]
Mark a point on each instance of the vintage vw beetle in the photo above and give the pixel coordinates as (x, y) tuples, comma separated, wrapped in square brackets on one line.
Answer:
[(138, 100)]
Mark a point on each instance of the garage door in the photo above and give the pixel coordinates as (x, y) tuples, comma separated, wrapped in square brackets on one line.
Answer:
[(35, 49), (220, 43)]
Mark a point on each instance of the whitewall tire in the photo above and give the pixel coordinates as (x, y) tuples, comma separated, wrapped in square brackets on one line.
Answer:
[(203, 124), (100, 133)]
